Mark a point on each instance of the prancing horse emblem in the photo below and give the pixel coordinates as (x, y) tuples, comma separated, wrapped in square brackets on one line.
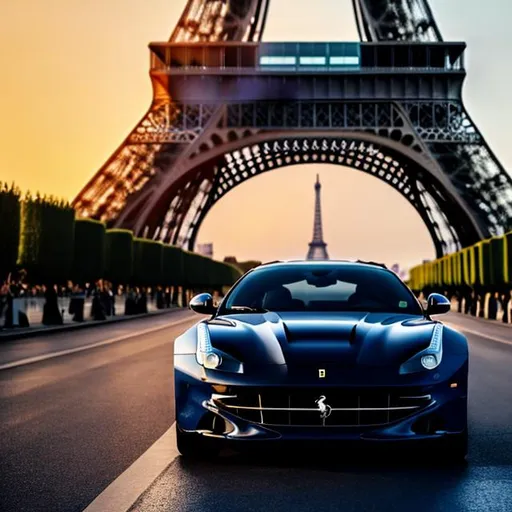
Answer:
[(325, 410)]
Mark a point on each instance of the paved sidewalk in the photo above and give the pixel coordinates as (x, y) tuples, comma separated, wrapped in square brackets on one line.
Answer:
[(39, 329), (475, 320)]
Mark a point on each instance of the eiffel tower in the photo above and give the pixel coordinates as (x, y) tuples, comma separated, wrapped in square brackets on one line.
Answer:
[(317, 247), (227, 107)]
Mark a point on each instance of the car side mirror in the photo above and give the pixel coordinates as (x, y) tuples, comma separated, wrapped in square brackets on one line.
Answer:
[(437, 304), (203, 304)]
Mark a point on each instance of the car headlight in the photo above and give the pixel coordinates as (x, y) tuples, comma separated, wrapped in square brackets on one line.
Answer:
[(212, 358), (205, 354), (427, 359)]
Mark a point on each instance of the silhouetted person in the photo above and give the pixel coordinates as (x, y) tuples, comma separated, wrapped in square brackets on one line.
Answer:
[(130, 302), (51, 313), (142, 303), (20, 306), (160, 299), (481, 300), (76, 304), (7, 303), (505, 302), (493, 307), (97, 311), (106, 300), (474, 303), (112, 294), (4, 290), (175, 295), (459, 296), (467, 303)]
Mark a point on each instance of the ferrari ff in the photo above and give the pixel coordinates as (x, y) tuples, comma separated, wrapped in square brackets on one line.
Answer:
[(320, 350)]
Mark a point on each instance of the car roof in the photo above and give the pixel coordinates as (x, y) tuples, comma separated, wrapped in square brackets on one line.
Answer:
[(286, 263)]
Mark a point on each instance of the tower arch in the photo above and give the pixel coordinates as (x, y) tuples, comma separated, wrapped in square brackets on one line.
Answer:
[(183, 205)]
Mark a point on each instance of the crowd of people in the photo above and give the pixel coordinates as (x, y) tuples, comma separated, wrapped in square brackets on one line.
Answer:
[(478, 304), (16, 294), (106, 301)]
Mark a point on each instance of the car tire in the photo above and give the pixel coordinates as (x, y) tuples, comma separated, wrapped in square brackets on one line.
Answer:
[(195, 446), (455, 449)]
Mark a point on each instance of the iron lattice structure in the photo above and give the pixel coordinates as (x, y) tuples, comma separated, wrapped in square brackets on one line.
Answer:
[(400, 117), (317, 247)]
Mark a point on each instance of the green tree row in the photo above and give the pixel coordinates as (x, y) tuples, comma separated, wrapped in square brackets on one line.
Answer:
[(42, 236), (10, 213)]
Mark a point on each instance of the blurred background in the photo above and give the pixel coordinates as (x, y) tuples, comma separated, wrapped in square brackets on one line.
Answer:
[(75, 81)]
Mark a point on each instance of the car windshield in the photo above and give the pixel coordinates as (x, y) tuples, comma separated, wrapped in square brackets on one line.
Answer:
[(317, 287)]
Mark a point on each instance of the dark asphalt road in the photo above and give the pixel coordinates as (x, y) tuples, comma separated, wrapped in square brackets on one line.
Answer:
[(66, 340), (70, 425)]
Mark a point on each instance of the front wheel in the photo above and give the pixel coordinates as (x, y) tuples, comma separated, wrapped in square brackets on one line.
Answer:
[(455, 448), (195, 446)]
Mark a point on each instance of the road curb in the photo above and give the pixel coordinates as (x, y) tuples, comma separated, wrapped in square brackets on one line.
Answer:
[(32, 333)]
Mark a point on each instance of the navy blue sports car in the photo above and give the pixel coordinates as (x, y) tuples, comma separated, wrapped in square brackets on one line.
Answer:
[(324, 350)]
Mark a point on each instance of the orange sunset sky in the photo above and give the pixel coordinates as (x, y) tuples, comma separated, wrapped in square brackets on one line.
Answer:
[(75, 82)]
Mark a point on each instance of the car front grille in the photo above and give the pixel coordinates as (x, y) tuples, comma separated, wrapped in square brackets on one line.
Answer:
[(335, 407)]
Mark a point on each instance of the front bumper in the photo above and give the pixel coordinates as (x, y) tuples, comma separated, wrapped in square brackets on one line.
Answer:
[(440, 411)]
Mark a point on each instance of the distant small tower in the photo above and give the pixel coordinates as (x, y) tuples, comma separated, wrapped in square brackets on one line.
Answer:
[(317, 248)]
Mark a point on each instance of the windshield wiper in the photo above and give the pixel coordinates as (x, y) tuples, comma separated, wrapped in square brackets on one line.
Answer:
[(246, 309)]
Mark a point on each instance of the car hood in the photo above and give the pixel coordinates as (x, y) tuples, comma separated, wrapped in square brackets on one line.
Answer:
[(348, 339)]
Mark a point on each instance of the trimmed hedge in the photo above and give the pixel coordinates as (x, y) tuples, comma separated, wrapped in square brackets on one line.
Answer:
[(485, 263), (10, 215), (196, 271), (42, 236), (147, 262), (173, 272), (89, 251), (118, 256), (47, 238), (151, 263), (488, 263), (498, 253)]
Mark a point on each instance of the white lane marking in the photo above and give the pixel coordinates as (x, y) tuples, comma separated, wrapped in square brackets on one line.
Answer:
[(43, 357), (479, 333), (126, 489)]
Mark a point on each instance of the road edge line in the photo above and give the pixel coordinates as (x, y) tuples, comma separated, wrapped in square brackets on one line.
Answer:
[(44, 357), (478, 333), (127, 488)]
